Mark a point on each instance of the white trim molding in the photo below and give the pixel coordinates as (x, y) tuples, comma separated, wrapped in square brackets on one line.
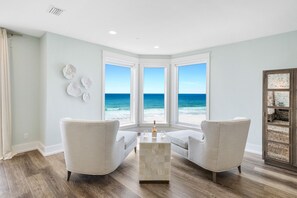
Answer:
[(253, 148), (148, 62), (36, 145), (50, 150), (193, 59), (58, 148), (118, 59), (25, 147)]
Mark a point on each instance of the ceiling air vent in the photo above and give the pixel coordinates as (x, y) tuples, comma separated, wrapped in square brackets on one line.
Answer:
[(55, 11)]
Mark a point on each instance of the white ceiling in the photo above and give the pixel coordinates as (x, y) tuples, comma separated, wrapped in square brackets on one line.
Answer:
[(174, 25)]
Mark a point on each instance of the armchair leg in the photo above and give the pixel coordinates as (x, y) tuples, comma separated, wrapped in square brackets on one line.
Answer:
[(214, 177), (135, 149), (239, 169), (68, 175)]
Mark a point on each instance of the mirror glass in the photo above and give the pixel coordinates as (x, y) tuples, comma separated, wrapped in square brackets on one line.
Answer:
[(278, 116), (279, 81), (278, 98)]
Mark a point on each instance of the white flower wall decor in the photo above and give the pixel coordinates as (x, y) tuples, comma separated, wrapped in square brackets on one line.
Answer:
[(86, 82), (86, 97), (74, 88), (69, 71)]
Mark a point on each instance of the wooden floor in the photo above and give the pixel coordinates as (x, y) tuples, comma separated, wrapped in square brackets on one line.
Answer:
[(32, 175)]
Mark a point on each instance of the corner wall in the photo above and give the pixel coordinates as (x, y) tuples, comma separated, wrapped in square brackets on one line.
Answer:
[(236, 78), (25, 89)]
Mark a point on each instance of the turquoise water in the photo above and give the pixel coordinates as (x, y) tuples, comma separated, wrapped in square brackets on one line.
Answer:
[(153, 101), (117, 102)]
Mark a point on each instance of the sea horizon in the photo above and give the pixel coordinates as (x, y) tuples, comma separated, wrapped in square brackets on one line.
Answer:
[(191, 107), (121, 101)]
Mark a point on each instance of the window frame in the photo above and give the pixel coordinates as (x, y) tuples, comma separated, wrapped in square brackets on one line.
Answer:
[(154, 63), (180, 62), (122, 61)]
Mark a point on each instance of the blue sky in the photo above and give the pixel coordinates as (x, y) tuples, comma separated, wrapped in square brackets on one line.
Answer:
[(153, 80), (117, 79), (192, 79)]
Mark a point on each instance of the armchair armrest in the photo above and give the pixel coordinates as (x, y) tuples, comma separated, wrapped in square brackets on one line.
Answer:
[(239, 118), (122, 139), (119, 151), (194, 140), (196, 149)]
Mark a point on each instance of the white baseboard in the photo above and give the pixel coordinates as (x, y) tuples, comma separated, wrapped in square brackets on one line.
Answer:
[(49, 150), (58, 148), (36, 145), (21, 148), (254, 148)]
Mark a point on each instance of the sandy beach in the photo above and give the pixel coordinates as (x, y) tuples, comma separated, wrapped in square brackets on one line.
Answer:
[(186, 115)]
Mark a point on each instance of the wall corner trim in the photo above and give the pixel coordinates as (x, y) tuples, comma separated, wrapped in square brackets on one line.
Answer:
[(49, 150), (253, 148), (25, 147), (36, 145), (58, 148)]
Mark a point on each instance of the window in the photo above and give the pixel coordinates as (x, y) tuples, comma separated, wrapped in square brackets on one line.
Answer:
[(117, 93), (191, 90), (153, 89), (132, 102), (119, 78), (192, 93), (154, 94)]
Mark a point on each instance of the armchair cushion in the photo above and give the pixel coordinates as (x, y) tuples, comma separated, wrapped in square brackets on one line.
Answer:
[(181, 138), (129, 137)]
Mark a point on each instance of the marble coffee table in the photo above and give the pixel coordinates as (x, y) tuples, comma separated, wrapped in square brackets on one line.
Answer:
[(154, 158)]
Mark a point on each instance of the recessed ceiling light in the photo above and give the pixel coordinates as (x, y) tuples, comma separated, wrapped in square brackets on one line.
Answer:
[(112, 32), (156, 47)]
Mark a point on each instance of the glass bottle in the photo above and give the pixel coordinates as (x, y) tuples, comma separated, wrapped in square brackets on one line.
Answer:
[(154, 130)]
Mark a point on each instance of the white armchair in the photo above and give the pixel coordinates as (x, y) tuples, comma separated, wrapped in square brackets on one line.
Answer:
[(219, 148), (95, 147)]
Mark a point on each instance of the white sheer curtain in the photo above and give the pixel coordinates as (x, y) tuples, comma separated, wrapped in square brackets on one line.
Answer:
[(5, 102)]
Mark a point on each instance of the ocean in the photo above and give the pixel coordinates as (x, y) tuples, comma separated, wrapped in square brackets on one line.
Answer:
[(154, 101), (191, 108)]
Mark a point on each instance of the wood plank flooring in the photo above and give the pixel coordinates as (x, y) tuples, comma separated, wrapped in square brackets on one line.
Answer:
[(32, 175)]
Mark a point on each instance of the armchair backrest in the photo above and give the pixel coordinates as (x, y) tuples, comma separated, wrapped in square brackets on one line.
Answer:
[(225, 142), (88, 145)]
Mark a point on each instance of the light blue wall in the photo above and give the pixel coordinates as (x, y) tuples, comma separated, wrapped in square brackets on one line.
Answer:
[(87, 58), (236, 77), (25, 88), (235, 81), (43, 85)]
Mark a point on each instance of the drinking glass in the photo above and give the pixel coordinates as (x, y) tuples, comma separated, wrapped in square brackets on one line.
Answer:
[(163, 133), (145, 133)]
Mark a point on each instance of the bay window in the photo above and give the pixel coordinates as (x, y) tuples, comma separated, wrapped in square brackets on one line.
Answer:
[(169, 91)]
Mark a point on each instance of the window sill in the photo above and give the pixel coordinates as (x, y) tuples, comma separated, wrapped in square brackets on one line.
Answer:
[(188, 126), (127, 126), (159, 124)]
